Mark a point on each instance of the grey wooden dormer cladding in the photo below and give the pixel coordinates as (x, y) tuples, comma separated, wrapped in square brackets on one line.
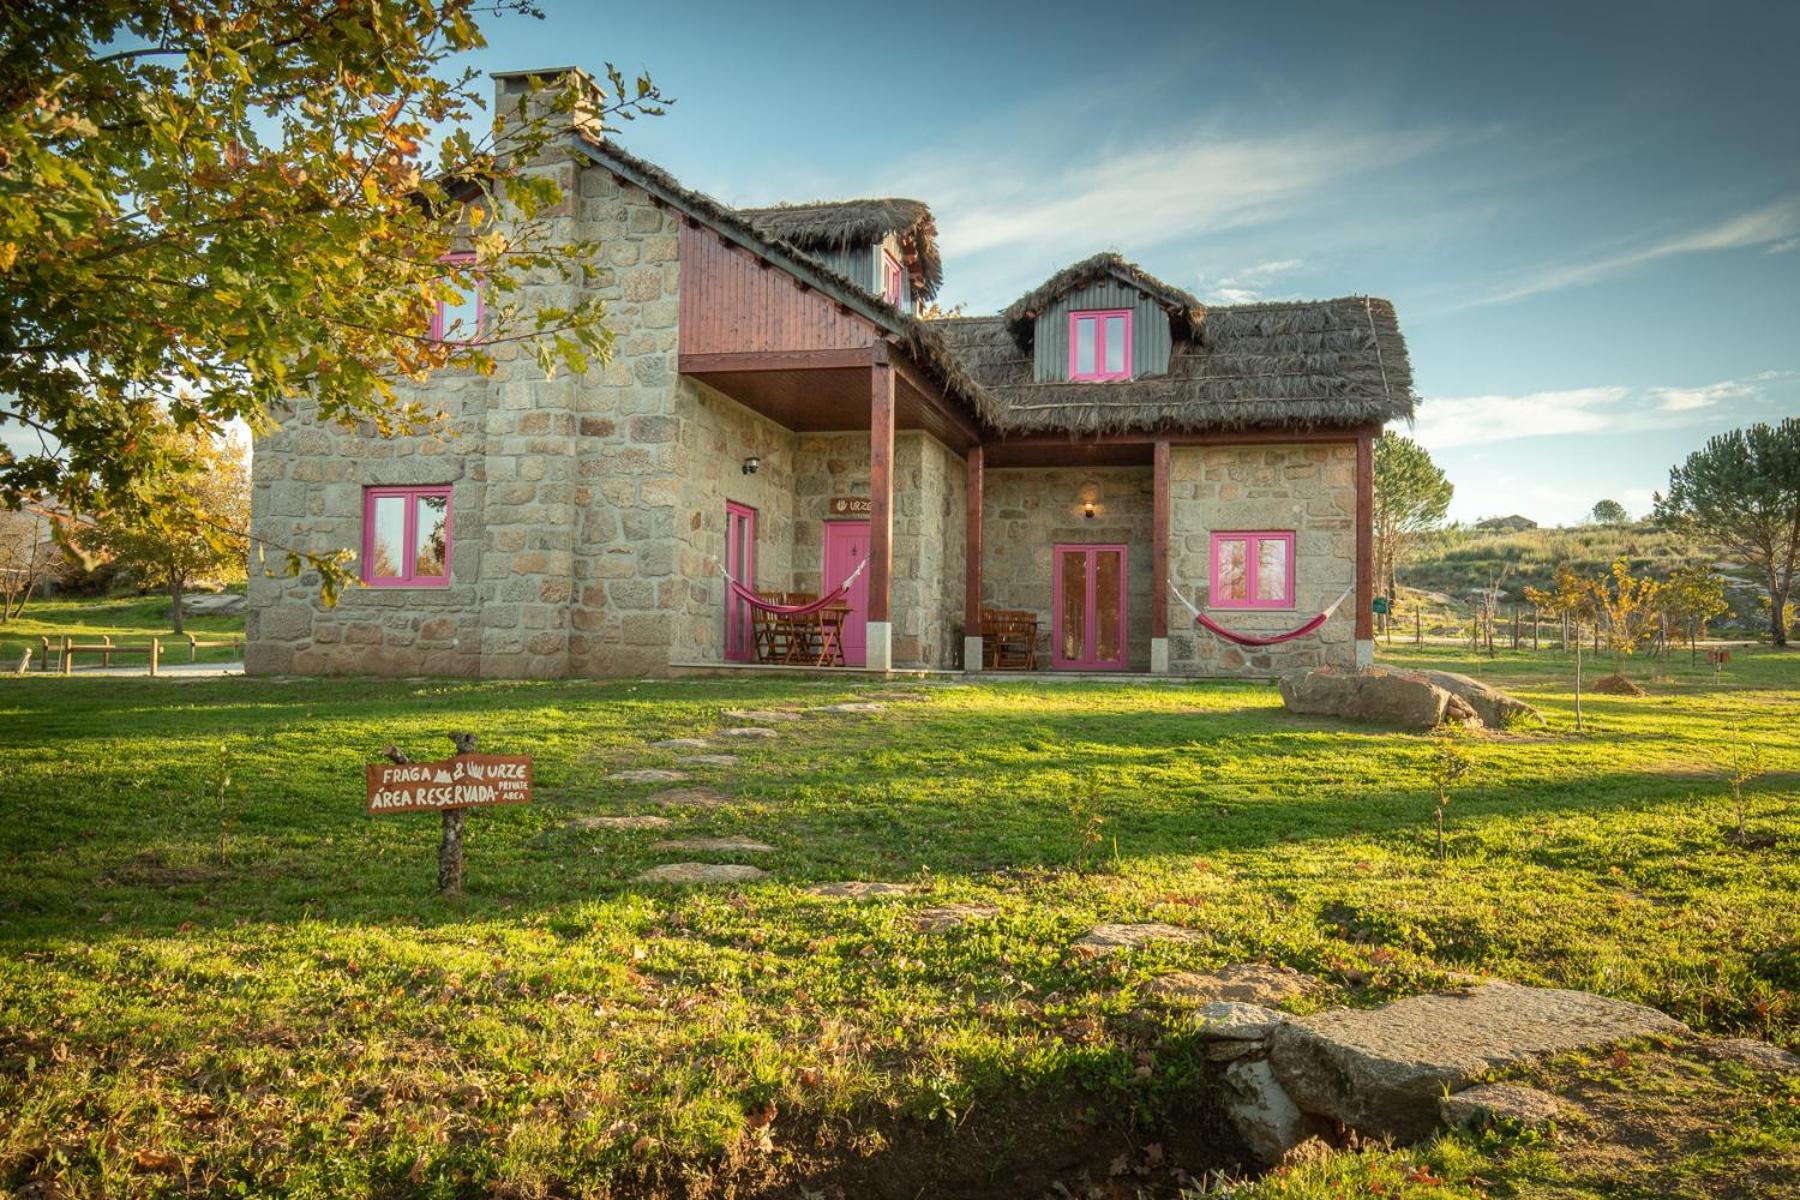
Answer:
[(1151, 341), (861, 265)]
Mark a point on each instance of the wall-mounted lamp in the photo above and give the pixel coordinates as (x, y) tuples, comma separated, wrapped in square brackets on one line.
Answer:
[(752, 465), (1087, 510)]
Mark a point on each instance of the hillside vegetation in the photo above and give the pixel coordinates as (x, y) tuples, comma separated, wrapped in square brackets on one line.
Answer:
[(1459, 561)]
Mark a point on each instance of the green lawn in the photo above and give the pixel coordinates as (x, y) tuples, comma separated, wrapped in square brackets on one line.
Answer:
[(217, 975), (128, 620)]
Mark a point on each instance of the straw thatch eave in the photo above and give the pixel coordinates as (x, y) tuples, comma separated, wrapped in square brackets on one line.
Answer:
[(846, 224), (1300, 365), (1186, 313)]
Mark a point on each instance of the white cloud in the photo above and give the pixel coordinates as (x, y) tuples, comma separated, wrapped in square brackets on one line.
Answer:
[(1775, 226), (1142, 196), (1246, 285), (1451, 421)]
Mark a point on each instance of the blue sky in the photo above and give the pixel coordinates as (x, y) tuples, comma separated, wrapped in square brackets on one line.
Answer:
[(1587, 214)]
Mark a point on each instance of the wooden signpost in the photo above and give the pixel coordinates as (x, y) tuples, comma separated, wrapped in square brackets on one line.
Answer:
[(450, 786)]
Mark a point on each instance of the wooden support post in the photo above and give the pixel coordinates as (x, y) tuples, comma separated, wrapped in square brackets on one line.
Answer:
[(68, 654), (1365, 549), (881, 510), (1159, 558), (973, 650), (1418, 627), (155, 655), (193, 648), (450, 836), (106, 649), (44, 663)]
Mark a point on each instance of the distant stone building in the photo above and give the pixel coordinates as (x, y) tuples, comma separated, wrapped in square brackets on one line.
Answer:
[(775, 406)]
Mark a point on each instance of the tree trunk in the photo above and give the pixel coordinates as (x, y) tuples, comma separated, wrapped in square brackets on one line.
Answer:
[(175, 613), (1778, 615)]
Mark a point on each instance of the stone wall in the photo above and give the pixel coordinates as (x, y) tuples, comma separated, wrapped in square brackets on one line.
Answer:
[(717, 435), (1309, 489), (927, 578), (564, 556), (1027, 510)]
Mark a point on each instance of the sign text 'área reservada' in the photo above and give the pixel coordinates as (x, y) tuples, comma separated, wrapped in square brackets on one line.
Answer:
[(465, 781)]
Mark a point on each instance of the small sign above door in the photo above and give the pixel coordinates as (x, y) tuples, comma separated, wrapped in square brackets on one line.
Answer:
[(850, 506)]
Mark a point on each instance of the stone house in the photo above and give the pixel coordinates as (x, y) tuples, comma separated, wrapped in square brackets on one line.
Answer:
[(777, 406)]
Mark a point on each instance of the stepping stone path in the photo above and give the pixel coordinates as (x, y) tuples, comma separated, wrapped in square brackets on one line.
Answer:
[(640, 822), (1381, 1071), (691, 797), (860, 890), (646, 775), (1104, 939), (707, 760), (717, 844), (951, 916), (870, 706), (1752, 1053), (1502, 1104), (681, 743), (693, 872), (1240, 983), (762, 716), (748, 731), (1232, 1022)]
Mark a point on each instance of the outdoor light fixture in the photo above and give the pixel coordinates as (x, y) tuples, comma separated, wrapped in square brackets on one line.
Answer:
[(1087, 510), (752, 464)]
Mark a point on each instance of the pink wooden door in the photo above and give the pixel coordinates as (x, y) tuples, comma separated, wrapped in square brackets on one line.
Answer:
[(846, 544), (740, 562), (1087, 608)]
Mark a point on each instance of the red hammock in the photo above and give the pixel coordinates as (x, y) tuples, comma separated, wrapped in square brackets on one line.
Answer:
[(1250, 639), (792, 610)]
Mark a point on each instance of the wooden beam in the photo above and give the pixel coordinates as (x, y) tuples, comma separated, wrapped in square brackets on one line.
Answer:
[(933, 396), (1365, 537), (881, 489), (1223, 437), (972, 549), (1159, 540), (772, 360)]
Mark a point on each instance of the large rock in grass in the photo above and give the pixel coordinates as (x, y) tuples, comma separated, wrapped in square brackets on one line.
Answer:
[(1381, 1071), (1404, 698), (1496, 708)]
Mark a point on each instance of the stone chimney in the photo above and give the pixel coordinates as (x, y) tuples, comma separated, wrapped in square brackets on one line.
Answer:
[(538, 91)]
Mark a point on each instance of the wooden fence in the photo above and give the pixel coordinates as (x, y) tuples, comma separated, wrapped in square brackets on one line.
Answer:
[(63, 652)]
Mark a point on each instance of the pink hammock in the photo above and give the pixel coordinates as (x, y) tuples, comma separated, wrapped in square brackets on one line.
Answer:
[(792, 610), (1250, 639)]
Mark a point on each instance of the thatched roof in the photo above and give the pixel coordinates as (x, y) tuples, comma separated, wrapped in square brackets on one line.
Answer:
[(1294, 365), (1185, 311), (842, 224)]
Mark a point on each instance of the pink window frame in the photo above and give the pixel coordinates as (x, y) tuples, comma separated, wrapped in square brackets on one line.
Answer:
[(409, 539), (460, 258), (1252, 564), (1099, 316), (1089, 660), (893, 279), (740, 633)]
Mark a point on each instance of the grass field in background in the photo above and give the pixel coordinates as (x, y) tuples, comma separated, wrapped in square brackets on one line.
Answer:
[(128, 620), (218, 976)]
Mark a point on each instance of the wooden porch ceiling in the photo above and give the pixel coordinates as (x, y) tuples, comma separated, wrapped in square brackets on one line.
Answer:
[(827, 391)]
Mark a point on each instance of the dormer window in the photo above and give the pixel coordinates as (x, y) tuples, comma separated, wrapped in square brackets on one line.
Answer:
[(1100, 344), (893, 279)]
